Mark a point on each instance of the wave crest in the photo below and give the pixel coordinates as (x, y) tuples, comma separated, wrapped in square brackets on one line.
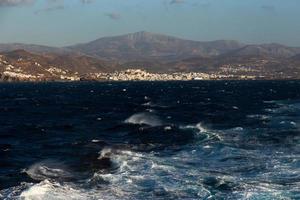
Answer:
[(48, 170), (144, 119)]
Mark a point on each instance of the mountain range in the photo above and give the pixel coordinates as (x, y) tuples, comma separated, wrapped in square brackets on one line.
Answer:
[(148, 46), (162, 53)]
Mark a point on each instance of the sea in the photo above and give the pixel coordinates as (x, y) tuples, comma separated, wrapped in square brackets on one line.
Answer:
[(150, 140)]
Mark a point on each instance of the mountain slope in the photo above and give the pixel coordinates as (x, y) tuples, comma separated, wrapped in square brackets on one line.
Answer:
[(149, 46), (32, 48), (268, 50), (22, 64)]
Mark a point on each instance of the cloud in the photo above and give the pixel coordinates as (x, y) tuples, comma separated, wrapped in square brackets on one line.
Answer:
[(87, 1), (202, 4), (51, 5), (113, 16), (177, 2), (269, 8), (15, 2), (11, 3), (49, 9)]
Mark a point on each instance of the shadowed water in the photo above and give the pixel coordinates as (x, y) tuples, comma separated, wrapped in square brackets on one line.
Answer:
[(163, 140)]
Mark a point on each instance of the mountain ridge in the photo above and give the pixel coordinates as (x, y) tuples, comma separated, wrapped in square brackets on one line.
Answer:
[(146, 46)]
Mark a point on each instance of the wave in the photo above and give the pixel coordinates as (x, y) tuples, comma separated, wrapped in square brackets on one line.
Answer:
[(259, 117), (48, 190), (146, 176), (284, 107), (154, 105), (201, 129), (49, 169), (144, 119)]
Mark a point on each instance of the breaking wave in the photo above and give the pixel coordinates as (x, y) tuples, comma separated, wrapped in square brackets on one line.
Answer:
[(49, 170), (202, 130), (144, 119)]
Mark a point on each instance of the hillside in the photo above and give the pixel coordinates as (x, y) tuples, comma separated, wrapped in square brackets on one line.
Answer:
[(20, 63), (39, 49)]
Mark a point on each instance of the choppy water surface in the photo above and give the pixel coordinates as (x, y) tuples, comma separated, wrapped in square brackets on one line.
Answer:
[(174, 140)]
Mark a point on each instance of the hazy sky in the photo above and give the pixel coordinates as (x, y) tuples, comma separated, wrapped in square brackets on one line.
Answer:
[(66, 22)]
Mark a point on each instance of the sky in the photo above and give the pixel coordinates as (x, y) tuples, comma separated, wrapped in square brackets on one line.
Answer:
[(67, 22)]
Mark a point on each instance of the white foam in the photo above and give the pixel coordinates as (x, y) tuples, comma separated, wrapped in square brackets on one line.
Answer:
[(137, 170), (238, 129), (140, 172), (162, 167), (147, 104), (153, 105), (259, 116), (235, 107), (203, 130), (144, 118), (48, 170), (47, 190), (198, 126), (37, 192), (293, 123)]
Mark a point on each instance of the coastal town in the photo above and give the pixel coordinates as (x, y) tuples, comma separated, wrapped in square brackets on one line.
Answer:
[(28, 69), (12, 73), (142, 75), (34, 73)]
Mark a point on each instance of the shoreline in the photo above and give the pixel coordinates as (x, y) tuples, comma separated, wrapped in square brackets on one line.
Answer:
[(145, 81), (137, 75)]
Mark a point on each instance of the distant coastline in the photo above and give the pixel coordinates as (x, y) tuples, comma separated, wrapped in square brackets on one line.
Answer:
[(145, 56), (129, 75)]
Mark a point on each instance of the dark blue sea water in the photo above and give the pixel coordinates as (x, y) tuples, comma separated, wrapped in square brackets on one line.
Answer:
[(142, 140)]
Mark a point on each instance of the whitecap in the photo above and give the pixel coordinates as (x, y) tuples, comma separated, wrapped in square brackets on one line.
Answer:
[(207, 147), (150, 110), (235, 107), (202, 130), (238, 129), (293, 123), (37, 191), (106, 152), (48, 190), (153, 105), (144, 118), (162, 167), (48, 169), (259, 116), (147, 104)]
